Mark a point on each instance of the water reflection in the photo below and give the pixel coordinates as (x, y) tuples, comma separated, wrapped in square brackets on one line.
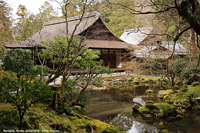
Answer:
[(127, 123), (122, 122), (113, 106), (138, 127)]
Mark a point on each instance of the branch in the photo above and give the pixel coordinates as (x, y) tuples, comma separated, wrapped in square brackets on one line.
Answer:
[(133, 11), (175, 40), (152, 12), (187, 9)]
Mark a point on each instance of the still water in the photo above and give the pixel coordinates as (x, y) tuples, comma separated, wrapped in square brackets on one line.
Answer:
[(115, 107)]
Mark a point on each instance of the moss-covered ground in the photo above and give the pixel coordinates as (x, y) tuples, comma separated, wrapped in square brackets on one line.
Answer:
[(41, 117)]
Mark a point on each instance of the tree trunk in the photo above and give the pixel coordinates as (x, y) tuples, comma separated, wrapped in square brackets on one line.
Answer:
[(20, 118), (190, 10), (42, 73), (20, 122)]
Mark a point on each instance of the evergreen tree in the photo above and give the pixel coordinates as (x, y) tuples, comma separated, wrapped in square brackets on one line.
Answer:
[(115, 16), (28, 24), (5, 25)]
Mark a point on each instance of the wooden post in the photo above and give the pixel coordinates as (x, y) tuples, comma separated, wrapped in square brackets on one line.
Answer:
[(109, 58)]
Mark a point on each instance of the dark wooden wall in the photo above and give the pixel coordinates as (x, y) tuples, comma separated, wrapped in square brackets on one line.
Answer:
[(99, 31)]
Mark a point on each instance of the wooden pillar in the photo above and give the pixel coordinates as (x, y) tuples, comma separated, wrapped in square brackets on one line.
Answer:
[(109, 58), (34, 55), (101, 55), (121, 58)]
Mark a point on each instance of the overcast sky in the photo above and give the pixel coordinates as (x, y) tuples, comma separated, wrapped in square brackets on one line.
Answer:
[(31, 5)]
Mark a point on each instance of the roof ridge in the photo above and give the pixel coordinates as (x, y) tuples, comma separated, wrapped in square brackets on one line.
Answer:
[(87, 15), (137, 29)]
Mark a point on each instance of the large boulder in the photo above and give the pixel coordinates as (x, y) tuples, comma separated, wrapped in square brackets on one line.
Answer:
[(157, 110)]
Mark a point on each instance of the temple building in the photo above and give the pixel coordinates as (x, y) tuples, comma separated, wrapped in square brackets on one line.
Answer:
[(113, 51)]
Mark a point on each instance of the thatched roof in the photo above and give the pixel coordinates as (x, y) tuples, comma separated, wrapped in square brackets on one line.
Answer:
[(58, 28)]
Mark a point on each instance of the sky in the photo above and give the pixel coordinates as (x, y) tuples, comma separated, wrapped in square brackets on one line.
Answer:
[(31, 5)]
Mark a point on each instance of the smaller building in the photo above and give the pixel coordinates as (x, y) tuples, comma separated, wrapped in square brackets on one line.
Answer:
[(135, 36), (151, 45), (162, 50)]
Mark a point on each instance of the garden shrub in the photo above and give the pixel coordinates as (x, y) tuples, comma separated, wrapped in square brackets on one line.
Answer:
[(19, 61)]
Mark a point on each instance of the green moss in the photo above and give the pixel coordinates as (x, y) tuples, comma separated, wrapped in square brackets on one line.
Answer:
[(149, 102), (165, 109), (144, 110), (164, 106), (163, 93), (152, 78), (157, 110), (101, 126), (195, 83), (136, 81), (6, 107), (196, 88), (184, 90), (141, 78), (44, 118), (179, 83), (108, 131), (191, 94), (149, 91), (163, 131), (166, 97)]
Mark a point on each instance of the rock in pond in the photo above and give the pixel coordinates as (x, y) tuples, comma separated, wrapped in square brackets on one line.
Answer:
[(198, 100), (139, 100), (163, 93), (135, 107)]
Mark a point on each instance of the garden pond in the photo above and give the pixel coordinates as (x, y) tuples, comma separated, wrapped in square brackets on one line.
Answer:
[(114, 106)]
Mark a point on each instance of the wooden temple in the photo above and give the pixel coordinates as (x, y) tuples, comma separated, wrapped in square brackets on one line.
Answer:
[(113, 51)]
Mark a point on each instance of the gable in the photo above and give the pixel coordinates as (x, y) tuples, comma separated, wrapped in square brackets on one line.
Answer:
[(99, 31)]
